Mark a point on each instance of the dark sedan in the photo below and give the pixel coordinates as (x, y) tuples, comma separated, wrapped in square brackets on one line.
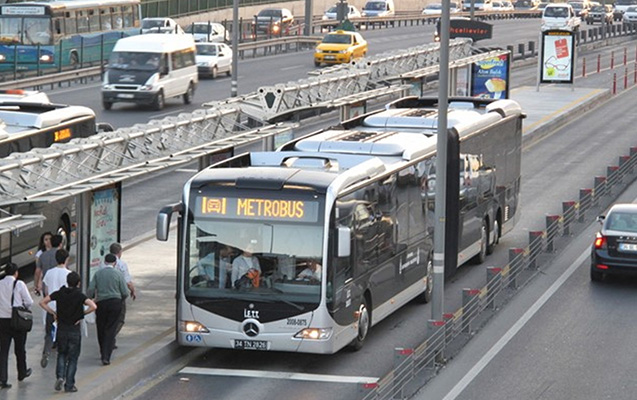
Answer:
[(615, 248)]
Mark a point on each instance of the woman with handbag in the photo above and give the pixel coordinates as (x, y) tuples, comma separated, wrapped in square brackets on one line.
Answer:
[(13, 293)]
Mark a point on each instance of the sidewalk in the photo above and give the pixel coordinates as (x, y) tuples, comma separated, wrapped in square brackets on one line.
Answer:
[(146, 343)]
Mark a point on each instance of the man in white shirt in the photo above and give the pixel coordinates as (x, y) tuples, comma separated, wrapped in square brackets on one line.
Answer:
[(54, 279), (313, 271), (10, 285), (243, 264)]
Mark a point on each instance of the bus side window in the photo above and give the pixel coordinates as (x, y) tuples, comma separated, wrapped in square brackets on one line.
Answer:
[(129, 19), (70, 23), (105, 19), (117, 17), (82, 21), (94, 20)]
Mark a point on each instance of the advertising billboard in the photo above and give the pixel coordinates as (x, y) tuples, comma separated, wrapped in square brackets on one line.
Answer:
[(490, 77), (556, 61), (105, 212)]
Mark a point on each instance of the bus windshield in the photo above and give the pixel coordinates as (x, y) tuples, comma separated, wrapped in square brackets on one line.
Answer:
[(256, 259), (25, 30)]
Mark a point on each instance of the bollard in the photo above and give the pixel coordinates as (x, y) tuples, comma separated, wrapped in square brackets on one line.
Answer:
[(535, 247), (612, 59), (552, 226), (521, 49), (365, 388), (568, 211), (599, 63), (584, 67), (510, 49), (626, 79), (600, 188), (532, 47), (625, 56), (435, 338), (468, 305), (516, 264), (494, 284), (614, 83), (585, 201), (403, 369), (611, 178), (635, 75)]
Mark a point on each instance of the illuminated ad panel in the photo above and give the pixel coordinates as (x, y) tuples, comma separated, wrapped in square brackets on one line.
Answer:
[(556, 63)]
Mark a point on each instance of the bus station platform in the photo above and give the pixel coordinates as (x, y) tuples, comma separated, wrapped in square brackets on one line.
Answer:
[(146, 345)]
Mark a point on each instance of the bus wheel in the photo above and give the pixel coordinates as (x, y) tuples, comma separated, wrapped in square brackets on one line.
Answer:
[(107, 105), (158, 104), (75, 59), (425, 297), (484, 239), (496, 237), (364, 323), (188, 95)]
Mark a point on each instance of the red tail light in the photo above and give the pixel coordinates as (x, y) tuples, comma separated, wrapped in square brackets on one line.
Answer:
[(600, 242)]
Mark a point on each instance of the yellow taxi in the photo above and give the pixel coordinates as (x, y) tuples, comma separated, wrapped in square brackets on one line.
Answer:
[(340, 47)]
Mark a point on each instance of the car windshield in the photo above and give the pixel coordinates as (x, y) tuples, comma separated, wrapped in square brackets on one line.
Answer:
[(597, 9), (435, 6), (332, 10), (556, 12), (201, 28), (337, 39), (152, 23), (206, 50), (270, 13), (376, 5), (631, 9), (577, 6)]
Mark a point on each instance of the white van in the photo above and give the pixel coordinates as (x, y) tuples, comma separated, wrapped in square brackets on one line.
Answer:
[(147, 69), (379, 8)]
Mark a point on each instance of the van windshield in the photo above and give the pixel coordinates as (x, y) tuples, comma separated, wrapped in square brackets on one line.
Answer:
[(134, 61), (376, 6)]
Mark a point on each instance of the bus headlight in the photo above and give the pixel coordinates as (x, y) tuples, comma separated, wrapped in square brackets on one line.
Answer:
[(192, 327), (46, 58), (314, 333), (3, 58)]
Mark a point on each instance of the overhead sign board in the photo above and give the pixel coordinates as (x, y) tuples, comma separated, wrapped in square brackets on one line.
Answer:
[(557, 59), (462, 27)]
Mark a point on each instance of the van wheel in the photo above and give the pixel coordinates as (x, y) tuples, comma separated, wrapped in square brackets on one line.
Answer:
[(107, 105), (364, 323), (229, 73), (215, 72), (189, 94), (158, 104)]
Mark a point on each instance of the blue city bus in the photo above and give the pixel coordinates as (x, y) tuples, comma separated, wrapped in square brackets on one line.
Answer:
[(57, 34)]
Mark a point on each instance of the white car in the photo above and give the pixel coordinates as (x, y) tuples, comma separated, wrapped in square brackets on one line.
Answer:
[(213, 58), (160, 25), (436, 8), (352, 12), (630, 15), (208, 32)]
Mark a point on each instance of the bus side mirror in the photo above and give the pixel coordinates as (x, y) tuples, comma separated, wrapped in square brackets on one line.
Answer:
[(344, 242), (163, 220)]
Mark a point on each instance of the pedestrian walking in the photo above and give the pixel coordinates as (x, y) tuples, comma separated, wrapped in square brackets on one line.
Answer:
[(43, 245), (117, 250), (12, 288), (54, 279), (68, 312), (108, 287), (46, 261)]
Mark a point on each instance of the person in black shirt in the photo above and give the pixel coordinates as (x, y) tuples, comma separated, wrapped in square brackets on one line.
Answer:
[(70, 302)]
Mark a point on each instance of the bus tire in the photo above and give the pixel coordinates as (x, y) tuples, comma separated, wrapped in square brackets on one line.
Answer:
[(107, 105), (484, 239), (364, 323), (75, 59), (158, 104), (496, 237), (189, 94), (425, 297)]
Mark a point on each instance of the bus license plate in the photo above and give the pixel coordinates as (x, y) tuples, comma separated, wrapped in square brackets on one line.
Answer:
[(627, 247), (241, 344), (126, 95)]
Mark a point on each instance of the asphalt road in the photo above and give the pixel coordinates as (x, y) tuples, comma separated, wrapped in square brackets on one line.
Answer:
[(553, 171)]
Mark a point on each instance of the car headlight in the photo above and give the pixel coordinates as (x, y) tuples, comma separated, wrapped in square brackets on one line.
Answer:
[(106, 86), (318, 50), (324, 18), (151, 82), (343, 51)]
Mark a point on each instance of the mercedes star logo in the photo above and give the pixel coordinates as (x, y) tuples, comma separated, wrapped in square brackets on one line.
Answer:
[(251, 329)]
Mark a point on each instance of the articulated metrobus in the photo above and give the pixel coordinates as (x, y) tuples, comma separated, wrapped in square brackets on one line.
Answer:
[(306, 248), (25, 124), (48, 34)]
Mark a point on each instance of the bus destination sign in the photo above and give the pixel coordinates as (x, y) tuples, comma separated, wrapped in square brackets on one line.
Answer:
[(255, 208)]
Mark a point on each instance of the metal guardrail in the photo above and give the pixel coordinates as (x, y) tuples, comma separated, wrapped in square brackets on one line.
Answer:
[(413, 368)]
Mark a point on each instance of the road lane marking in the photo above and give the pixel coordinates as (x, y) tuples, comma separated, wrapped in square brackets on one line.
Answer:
[(292, 67), (167, 113), (519, 324), (294, 376), (188, 170)]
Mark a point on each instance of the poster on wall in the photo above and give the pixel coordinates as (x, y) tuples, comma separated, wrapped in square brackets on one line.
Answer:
[(462, 81), (104, 224), (556, 63), (490, 77)]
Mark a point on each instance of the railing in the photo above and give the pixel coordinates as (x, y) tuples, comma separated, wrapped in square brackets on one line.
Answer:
[(413, 368)]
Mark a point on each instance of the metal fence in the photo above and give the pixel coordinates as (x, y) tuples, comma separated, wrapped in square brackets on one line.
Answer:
[(413, 368)]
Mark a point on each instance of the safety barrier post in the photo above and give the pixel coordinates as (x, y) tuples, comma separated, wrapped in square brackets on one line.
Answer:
[(635, 75), (568, 211), (469, 298), (494, 285), (612, 59), (521, 49), (600, 188), (552, 225), (625, 166), (532, 47), (626, 79), (448, 318), (611, 177), (625, 56), (365, 388), (599, 63), (535, 247), (403, 369), (584, 67), (516, 264), (614, 83), (435, 338), (585, 201)]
